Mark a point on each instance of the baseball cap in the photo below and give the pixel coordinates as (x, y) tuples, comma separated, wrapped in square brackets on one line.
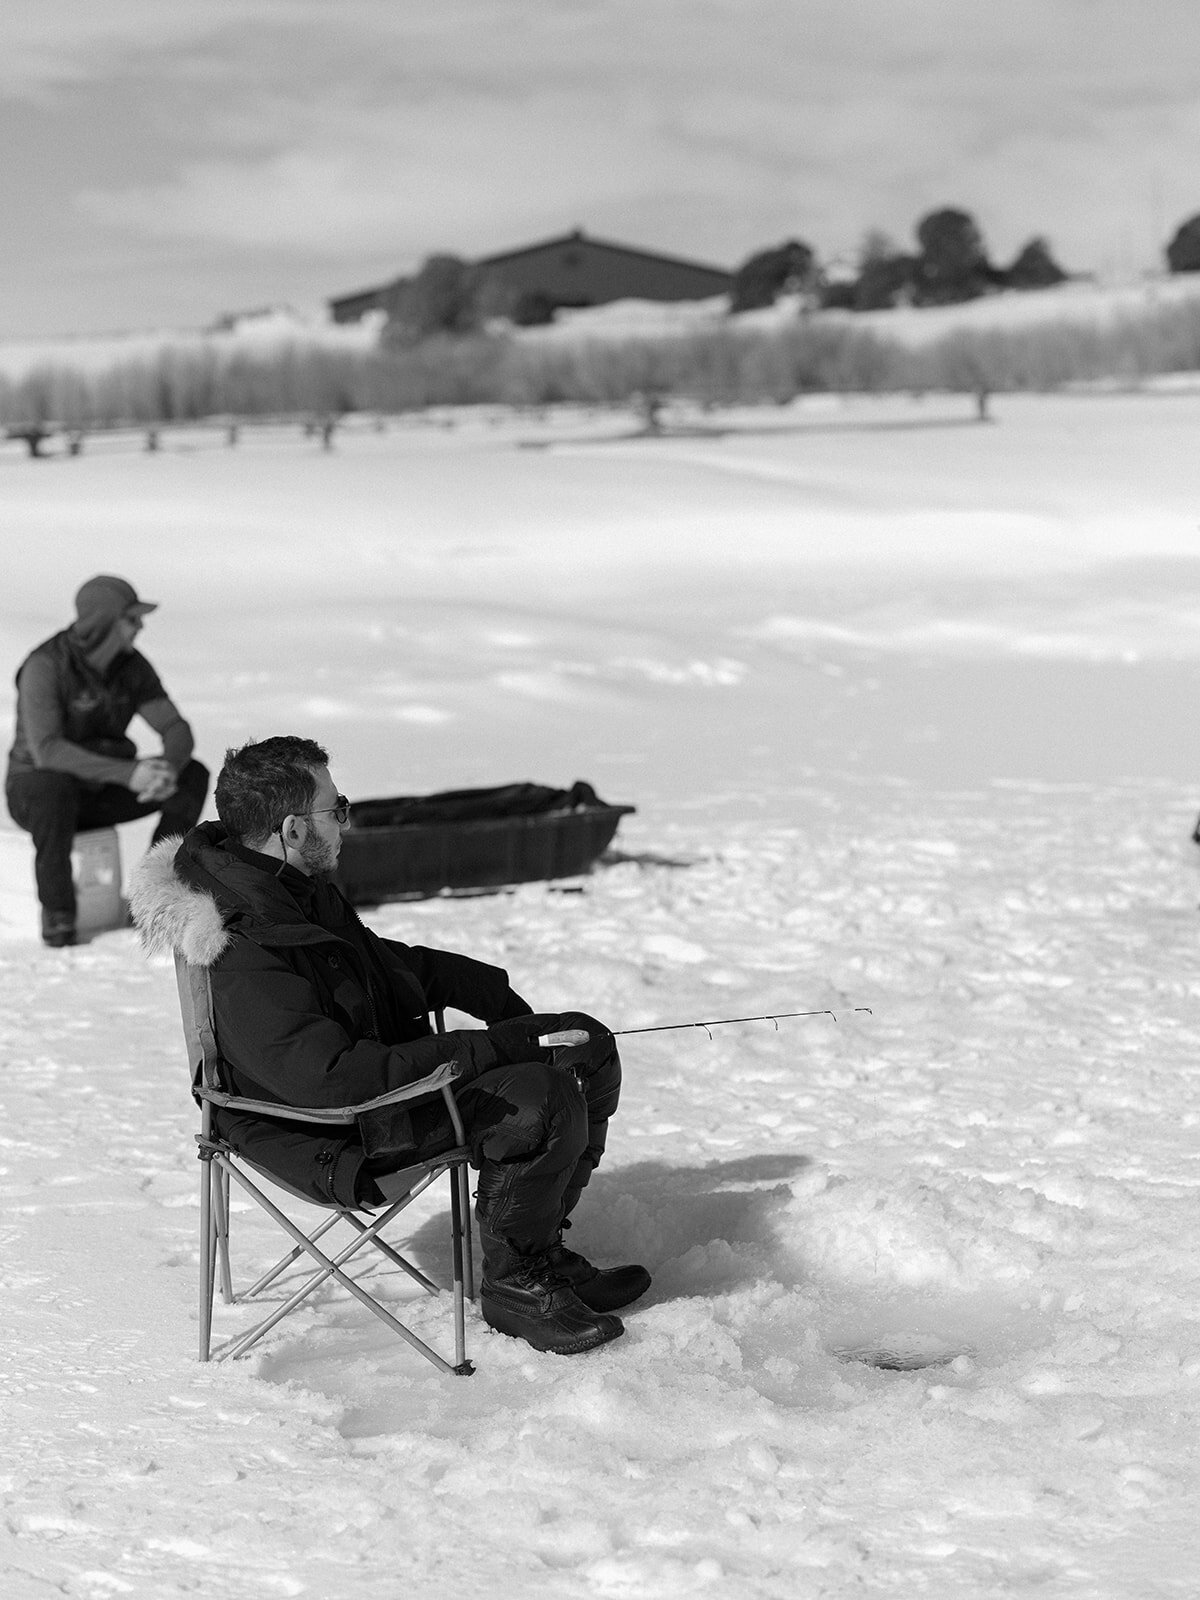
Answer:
[(112, 597)]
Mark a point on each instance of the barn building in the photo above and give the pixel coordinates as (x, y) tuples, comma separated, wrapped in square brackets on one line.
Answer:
[(575, 270), (354, 307)]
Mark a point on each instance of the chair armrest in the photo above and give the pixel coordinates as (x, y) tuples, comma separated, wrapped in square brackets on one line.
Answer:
[(437, 1081)]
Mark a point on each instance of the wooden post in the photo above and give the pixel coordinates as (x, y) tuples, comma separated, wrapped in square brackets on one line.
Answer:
[(649, 407), (32, 435)]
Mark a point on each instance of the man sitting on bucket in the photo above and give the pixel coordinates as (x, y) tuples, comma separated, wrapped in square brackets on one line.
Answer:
[(71, 766), (312, 1008)]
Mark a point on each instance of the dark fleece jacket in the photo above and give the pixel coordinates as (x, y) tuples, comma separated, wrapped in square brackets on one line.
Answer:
[(311, 1007)]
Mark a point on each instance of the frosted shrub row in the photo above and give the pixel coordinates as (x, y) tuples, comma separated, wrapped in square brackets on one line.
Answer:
[(718, 367)]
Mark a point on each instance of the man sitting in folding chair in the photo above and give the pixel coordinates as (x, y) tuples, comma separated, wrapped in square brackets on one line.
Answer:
[(313, 1009)]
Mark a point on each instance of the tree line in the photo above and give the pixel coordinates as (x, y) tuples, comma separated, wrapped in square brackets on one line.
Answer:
[(450, 295), (726, 364), (445, 343), (950, 264)]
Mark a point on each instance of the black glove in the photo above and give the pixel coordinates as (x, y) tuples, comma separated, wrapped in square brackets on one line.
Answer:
[(517, 1039)]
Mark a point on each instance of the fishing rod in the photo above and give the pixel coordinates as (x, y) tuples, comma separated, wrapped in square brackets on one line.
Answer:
[(569, 1036), (723, 1022)]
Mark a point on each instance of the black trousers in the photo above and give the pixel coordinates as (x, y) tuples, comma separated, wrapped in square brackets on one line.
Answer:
[(54, 806), (536, 1131)]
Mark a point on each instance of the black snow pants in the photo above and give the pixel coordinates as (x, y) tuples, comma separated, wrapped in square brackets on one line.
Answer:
[(536, 1131), (55, 806)]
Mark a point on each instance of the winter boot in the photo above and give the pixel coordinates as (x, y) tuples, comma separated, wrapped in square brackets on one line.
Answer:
[(600, 1288), (523, 1296), (58, 928)]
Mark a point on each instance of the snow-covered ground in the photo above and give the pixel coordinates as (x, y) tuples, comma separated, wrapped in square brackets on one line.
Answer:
[(907, 707)]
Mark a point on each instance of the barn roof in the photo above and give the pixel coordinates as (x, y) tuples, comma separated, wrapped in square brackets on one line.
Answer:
[(363, 298), (578, 236)]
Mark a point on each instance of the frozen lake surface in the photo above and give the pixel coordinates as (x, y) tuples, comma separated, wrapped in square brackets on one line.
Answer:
[(906, 705)]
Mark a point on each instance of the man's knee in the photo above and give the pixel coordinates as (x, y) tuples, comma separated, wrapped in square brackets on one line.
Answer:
[(194, 779), (520, 1111), (182, 811), (597, 1062), (527, 1127), (41, 799), (191, 788)]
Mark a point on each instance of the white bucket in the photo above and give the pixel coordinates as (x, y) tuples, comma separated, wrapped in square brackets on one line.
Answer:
[(96, 867)]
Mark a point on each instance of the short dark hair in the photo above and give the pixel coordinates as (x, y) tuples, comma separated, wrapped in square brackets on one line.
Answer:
[(262, 783)]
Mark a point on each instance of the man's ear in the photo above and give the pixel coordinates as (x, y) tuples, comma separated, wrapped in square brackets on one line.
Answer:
[(292, 832)]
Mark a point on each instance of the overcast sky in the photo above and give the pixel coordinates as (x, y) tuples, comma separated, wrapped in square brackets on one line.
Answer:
[(164, 161)]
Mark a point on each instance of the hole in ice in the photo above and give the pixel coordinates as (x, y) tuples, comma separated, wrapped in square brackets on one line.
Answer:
[(902, 1352), (906, 1331)]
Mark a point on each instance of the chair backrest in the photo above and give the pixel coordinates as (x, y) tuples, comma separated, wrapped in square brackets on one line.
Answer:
[(199, 1031), (206, 1062)]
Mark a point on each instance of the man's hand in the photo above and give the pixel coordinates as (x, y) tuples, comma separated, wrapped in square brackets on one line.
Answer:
[(517, 1039), (567, 1038), (152, 778)]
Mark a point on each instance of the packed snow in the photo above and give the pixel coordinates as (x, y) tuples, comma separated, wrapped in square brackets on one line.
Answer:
[(906, 703)]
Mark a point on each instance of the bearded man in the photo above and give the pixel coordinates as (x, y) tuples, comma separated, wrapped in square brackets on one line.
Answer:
[(314, 1009)]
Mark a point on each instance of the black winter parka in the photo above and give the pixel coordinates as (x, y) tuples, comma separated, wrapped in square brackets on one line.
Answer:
[(313, 1008)]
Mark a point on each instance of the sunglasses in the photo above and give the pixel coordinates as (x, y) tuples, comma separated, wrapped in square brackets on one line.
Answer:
[(341, 811)]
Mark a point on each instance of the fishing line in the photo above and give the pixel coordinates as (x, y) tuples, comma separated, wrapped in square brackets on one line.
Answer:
[(572, 1036), (723, 1022)]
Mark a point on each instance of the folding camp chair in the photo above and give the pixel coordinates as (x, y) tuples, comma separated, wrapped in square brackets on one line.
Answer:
[(220, 1163)]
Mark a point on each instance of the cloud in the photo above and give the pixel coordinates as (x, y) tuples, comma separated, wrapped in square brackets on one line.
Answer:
[(390, 128), (51, 43), (381, 175)]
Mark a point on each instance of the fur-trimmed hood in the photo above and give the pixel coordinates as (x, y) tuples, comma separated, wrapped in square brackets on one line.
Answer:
[(170, 914), (190, 895)]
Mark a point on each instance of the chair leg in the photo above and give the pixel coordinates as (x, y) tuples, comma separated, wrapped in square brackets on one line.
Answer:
[(456, 1243), (207, 1255), (384, 1247), (221, 1228), (331, 1268), (460, 1180), (290, 1259)]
